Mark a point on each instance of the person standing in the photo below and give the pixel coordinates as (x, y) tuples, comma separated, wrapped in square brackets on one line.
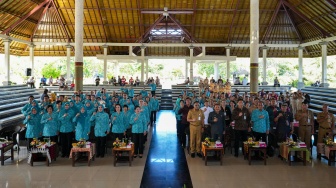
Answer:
[(139, 131), (66, 128), (50, 124), (118, 124), (242, 118), (184, 109), (261, 124), (34, 127), (196, 119), (326, 122), (217, 122), (306, 123), (83, 124), (283, 120), (101, 129), (207, 127)]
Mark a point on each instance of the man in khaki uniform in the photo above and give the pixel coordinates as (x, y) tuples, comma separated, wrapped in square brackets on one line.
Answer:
[(306, 123), (196, 119), (326, 122)]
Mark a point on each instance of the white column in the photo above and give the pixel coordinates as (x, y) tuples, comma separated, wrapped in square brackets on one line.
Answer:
[(324, 81), (7, 59), (228, 72), (216, 70), (130, 50), (105, 64), (264, 48), (254, 45), (186, 68), (116, 69), (79, 25), (146, 61), (68, 48), (300, 83), (191, 77), (31, 57), (142, 62)]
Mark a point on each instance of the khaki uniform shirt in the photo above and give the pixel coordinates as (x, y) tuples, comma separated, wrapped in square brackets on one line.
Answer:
[(326, 120), (198, 115), (305, 118)]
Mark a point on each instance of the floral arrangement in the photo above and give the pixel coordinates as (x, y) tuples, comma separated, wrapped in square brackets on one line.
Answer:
[(250, 141), (328, 141), (207, 141), (81, 143), (117, 143), (35, 142)]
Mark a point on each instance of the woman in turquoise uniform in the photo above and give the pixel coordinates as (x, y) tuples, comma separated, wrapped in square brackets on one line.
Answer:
[(34, 127), (118, 123), (66, 128), (101, 129), (139, 130), (83, 124), (50, 124)]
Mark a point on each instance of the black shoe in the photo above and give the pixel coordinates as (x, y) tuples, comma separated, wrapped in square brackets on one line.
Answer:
[(192, 155), (199, 155)]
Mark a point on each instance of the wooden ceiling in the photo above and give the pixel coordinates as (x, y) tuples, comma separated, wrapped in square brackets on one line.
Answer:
[(185, 21)]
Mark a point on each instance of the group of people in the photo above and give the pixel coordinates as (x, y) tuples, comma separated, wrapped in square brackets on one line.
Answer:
[(122, 81), (234, 117), (92, 116)]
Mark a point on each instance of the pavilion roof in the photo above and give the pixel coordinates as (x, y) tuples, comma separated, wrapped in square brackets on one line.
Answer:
[(182, 21)]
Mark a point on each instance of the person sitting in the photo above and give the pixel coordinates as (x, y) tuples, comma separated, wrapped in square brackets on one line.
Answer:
[(97, 80), (276, 82), (157, 81), (237, 81), (131, 81), (31, 82), (43, 81), (137, 81)]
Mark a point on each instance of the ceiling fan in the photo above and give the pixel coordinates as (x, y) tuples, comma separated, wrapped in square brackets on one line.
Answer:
[(166, 12)]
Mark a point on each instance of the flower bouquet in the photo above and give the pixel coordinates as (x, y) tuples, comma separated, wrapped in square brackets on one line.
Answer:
[(328, 142), (34, 143), (117, 143), (81, 143), (207, 141), (250, 142)]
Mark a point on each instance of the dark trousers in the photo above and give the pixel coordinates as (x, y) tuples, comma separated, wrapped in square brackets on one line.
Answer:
[(259, 136), (101, 143), (240, 136), (138, 139), (152, 117), (66, 143), (120, 136), (153, 93), (183, 135)]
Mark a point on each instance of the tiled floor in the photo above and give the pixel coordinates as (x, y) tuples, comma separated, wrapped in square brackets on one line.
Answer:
[(235, 172)]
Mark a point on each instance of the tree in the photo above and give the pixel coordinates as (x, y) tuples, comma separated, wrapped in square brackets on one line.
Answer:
[(50, 70)]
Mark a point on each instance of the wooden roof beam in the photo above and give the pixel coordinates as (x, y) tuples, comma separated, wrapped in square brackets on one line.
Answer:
[(272, 21), (231, 26), (39, 21), (193, 18), (144, 36), (101, 19), (296, 11), (6, 31), (292, 23), (61, 22)]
